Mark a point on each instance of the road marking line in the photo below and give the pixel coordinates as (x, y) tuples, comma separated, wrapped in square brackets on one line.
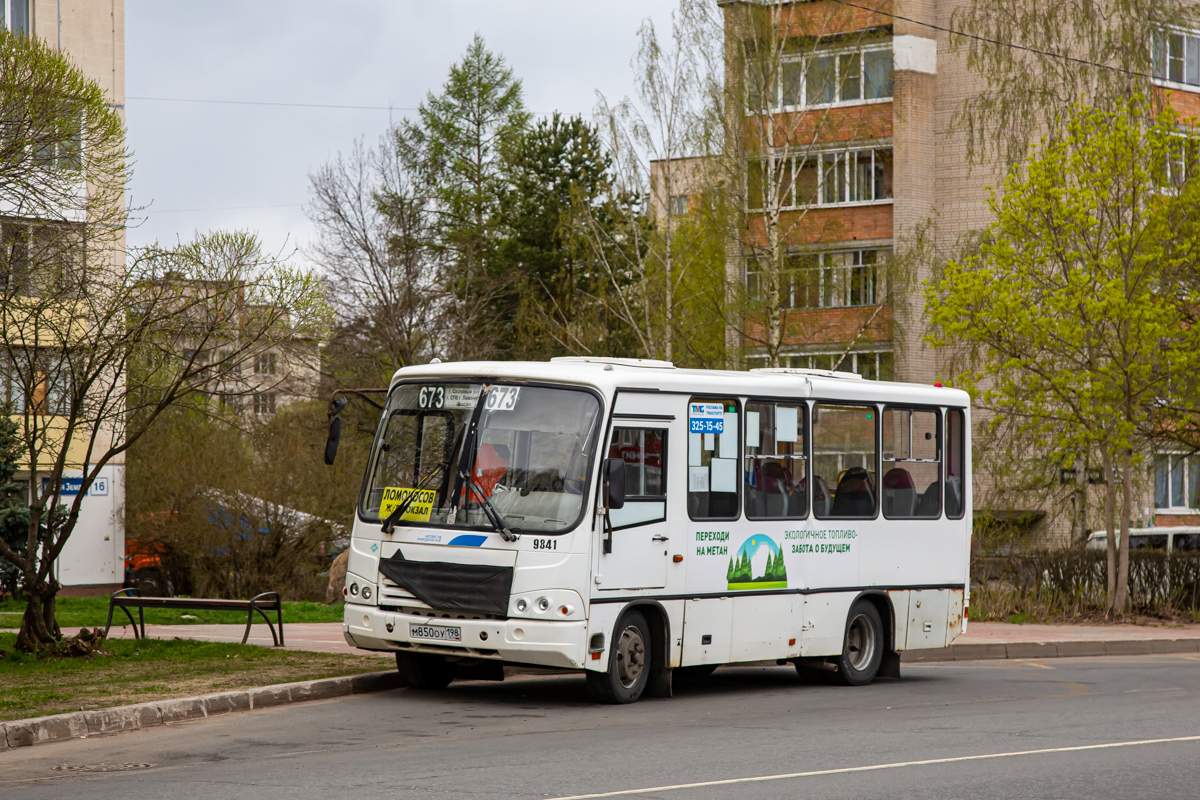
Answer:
[(874, 767), (1039, 666)]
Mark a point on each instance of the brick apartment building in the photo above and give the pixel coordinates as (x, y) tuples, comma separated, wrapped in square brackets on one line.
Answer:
[(862, 117)]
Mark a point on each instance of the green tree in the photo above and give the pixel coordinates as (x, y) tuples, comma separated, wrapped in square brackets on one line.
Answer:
[(14, 507), (242, 511), (556, 167), (1076, 305), (460, 143)]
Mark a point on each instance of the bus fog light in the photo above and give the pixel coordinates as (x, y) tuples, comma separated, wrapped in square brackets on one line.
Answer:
[(366, 621), (543, 604), (518, 634), (522, 605), (354, 589)]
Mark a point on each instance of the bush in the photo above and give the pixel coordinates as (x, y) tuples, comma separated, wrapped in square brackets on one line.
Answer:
[(1072, 584)]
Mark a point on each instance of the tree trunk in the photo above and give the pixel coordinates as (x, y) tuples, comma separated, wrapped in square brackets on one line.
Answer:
[(1122, 597), (1081, 500), (1110, 525), (39, 628)]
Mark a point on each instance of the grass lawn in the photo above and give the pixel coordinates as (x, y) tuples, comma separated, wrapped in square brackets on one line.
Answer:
[(133, 671), (92, 611)]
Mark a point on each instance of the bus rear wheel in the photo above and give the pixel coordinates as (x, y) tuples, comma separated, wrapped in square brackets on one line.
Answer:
[(425, 671), (628, 663), (862, 647)]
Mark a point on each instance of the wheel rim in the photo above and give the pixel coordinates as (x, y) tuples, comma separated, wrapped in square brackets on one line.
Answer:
[(860, 642), (631, 656)]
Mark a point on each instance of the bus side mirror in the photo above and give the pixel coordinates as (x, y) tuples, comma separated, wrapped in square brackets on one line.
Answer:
[(614, 483), (331, 444)]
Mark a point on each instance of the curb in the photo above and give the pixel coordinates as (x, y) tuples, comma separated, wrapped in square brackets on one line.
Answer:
[(81, 724), (981, 652)]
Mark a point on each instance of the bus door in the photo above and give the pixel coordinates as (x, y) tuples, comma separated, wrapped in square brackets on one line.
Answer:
[(641, 535)]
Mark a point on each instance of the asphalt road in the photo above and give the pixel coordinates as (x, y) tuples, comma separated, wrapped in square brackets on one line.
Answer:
[(1096, 729)]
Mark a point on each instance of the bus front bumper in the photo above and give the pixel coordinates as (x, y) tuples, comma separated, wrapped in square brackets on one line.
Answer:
[(521, 641)]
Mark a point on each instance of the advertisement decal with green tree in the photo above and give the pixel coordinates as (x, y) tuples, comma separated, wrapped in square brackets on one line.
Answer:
[(758, 564)]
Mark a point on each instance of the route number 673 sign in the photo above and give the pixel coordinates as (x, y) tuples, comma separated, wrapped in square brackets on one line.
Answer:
[(502, 398)]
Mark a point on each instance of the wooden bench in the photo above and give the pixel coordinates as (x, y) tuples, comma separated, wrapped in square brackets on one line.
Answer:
[(262, 603)]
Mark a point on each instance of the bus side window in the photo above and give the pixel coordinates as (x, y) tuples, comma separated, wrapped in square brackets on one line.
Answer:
[(644, 451), (713, 458), (911, 487), (844, 451), (775, 466), (954, 463)]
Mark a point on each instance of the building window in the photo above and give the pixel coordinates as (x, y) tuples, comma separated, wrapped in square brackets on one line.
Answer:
[(264, 364), (834, 279), (1175, 57), (679, 205), (1183, 159), (832, 76), (1177, 482), (14, 256), (839, 177), (874, 365), (228, 402), (15, 15), (264, 403), (12, 391)]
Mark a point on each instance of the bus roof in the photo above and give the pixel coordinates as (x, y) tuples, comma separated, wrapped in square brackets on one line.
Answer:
[(610, 374)]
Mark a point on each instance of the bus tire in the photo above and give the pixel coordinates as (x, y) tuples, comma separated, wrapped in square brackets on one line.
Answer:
[(862, 646), (425, 671), (628, 662)]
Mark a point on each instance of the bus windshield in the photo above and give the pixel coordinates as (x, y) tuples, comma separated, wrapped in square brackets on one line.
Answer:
[(528, 457)]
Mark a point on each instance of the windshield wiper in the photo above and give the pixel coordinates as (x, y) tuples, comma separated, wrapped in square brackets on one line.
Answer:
[(389, 524), (506, 533)]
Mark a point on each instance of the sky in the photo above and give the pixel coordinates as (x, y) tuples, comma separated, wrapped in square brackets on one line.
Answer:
[(201, 166)]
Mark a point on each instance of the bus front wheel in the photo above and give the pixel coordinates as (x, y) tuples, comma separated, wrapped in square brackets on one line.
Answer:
[(628, 663), (862, 648), (425, 671)]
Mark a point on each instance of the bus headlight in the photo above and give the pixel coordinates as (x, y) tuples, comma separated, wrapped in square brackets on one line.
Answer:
[(354, 590), (543, 603), (366, 593), (522, 605)]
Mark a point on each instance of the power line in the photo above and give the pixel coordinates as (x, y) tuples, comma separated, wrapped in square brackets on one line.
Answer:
[(269, 103), (151, 211), (1033, 50)]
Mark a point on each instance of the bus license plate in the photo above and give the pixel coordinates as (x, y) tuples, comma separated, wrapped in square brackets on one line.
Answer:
[(434, 633)]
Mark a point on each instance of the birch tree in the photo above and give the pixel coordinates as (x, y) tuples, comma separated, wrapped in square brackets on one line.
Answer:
[(1077, 304)]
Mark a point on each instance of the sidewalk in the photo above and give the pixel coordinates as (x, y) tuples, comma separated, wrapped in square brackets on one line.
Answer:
[(982, 640), (988, 640), (320, 637)]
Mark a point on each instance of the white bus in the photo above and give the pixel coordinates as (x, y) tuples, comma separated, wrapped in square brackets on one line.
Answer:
[(630, 519)]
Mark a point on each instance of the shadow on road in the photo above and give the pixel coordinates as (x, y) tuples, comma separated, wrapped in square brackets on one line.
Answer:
[(570, 690)]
